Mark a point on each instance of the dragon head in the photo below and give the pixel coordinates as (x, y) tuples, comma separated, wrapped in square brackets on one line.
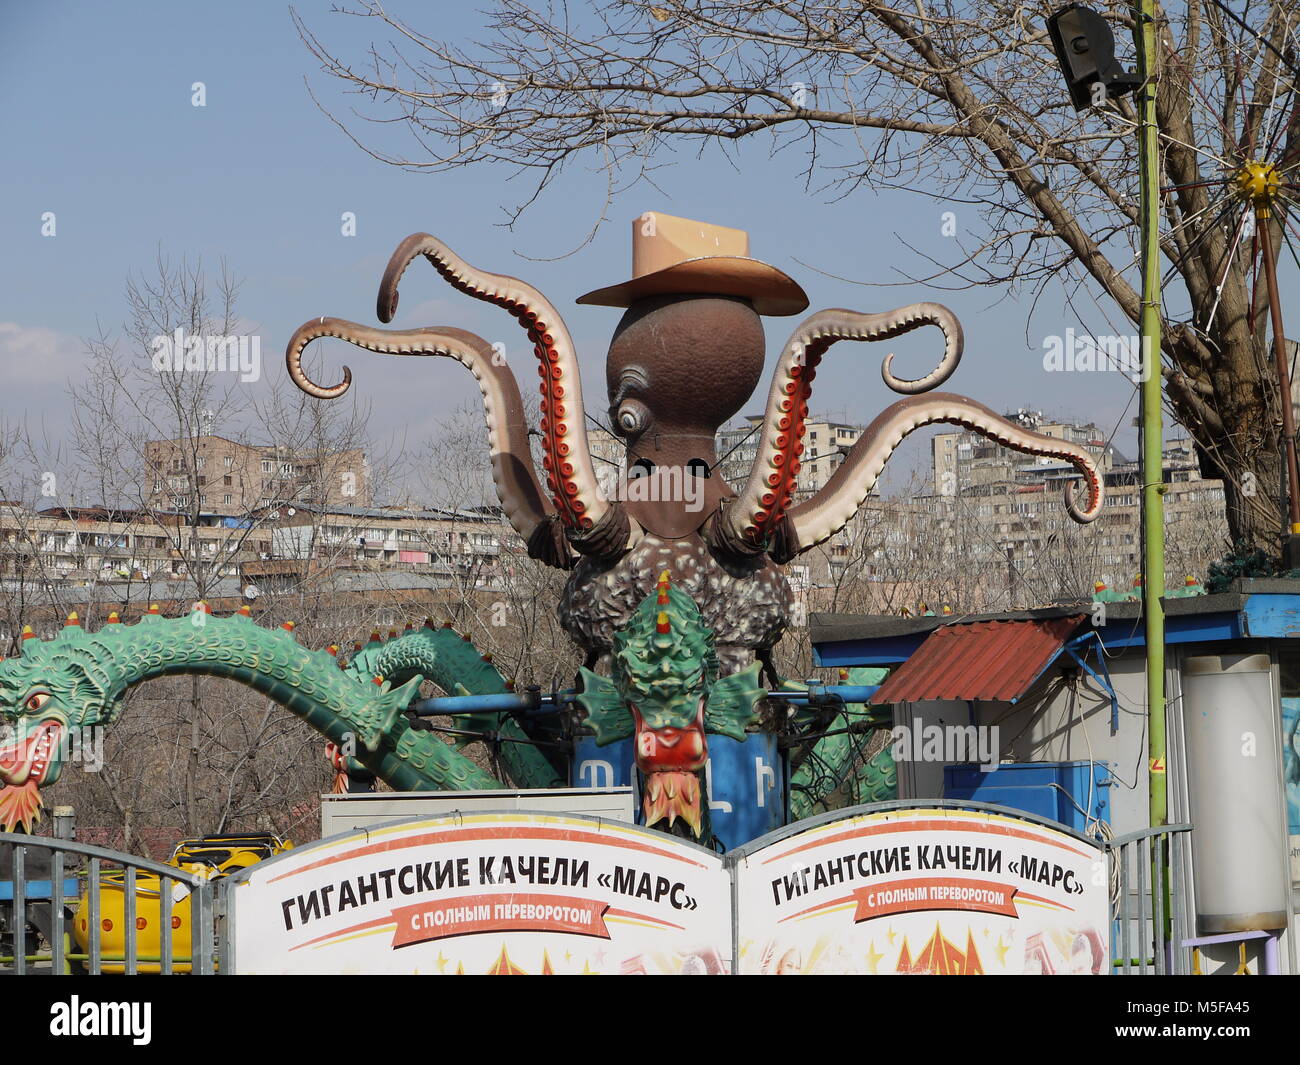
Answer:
[(664, 689), (52, 690)]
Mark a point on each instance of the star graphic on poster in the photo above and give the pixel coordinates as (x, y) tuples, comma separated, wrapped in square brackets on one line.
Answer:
[(442, 962), (600, 957), (873, 959), (1002, 949), (892, 935), (568, 955)]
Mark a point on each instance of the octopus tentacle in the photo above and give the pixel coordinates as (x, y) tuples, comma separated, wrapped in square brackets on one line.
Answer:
[(755, 516), (303, 336), (503, 409), (831, 509), (894, 323), (566, 454)]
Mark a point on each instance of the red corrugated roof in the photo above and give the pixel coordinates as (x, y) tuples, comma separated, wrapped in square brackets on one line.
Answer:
[(985, 660)]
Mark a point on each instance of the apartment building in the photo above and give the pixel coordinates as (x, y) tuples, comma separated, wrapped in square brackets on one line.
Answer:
[(93, 545), (86, 544), (1015, 499), (472, 546), (826, 442), (232, 478)]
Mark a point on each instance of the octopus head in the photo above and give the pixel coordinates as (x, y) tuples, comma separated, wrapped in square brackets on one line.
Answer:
[(678, 368), (682, 363)]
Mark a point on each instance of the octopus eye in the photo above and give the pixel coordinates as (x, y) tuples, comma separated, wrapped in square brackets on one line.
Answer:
[(36, 701), (632, 418)]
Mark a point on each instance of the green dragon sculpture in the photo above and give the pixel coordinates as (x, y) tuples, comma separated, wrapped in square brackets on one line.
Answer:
[(76, 681), (665, 690), (838, 763)]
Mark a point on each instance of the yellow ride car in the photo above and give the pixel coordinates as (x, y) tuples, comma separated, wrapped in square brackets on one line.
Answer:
[(210, 857)]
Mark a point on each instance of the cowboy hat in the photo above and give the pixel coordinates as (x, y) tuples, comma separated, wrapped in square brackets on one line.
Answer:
[(682, 257)]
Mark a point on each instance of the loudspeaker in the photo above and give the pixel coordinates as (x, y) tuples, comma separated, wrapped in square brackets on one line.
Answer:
[(1085, 48)]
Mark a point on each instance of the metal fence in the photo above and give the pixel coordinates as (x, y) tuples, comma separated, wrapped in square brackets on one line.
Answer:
[(120, 904), (53, 889), (1149, 925)]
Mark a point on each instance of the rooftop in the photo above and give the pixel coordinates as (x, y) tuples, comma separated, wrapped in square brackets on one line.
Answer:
[(1261, 608)]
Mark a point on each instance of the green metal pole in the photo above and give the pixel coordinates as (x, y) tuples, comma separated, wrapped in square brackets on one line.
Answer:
[(1153, 508)]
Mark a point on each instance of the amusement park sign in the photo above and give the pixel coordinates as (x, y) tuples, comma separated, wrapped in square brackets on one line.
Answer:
[(900, 890), (910, 891), (504, 894)]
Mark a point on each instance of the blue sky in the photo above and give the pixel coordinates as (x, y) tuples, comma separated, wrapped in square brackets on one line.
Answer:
[(99, 129)]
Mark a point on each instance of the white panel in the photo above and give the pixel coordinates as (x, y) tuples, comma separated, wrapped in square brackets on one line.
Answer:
[(342, 813)]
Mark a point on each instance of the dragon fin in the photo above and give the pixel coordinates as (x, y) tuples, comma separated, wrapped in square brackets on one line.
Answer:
[(389, 706), (607, 713), (730, 705)]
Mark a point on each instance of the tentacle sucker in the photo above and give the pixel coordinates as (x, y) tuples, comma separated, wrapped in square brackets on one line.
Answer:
[(773, 479), (831, 508), (566, 454), (503, 409)]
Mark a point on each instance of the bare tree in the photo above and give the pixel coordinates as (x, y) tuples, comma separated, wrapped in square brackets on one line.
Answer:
[(505, 600), (961, 100), (200, 753)]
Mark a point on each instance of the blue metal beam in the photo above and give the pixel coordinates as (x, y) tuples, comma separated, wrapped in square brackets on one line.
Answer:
[(887, 651), (1273, 615), (1106, 685), (501, 703), (550, 702), (1179, 628), (847, 693)]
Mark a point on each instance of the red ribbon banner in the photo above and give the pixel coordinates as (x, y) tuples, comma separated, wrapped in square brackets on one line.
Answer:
[(466, 915), (934, 893)]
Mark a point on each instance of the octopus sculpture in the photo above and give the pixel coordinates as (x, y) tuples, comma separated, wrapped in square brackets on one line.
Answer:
[(686, 356)]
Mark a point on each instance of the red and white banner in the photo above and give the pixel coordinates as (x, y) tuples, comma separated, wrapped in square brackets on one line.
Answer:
[(919, 890), (499, 894), (941, 890)]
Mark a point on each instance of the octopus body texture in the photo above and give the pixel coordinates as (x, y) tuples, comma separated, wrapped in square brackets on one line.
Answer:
[(745, 602)]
